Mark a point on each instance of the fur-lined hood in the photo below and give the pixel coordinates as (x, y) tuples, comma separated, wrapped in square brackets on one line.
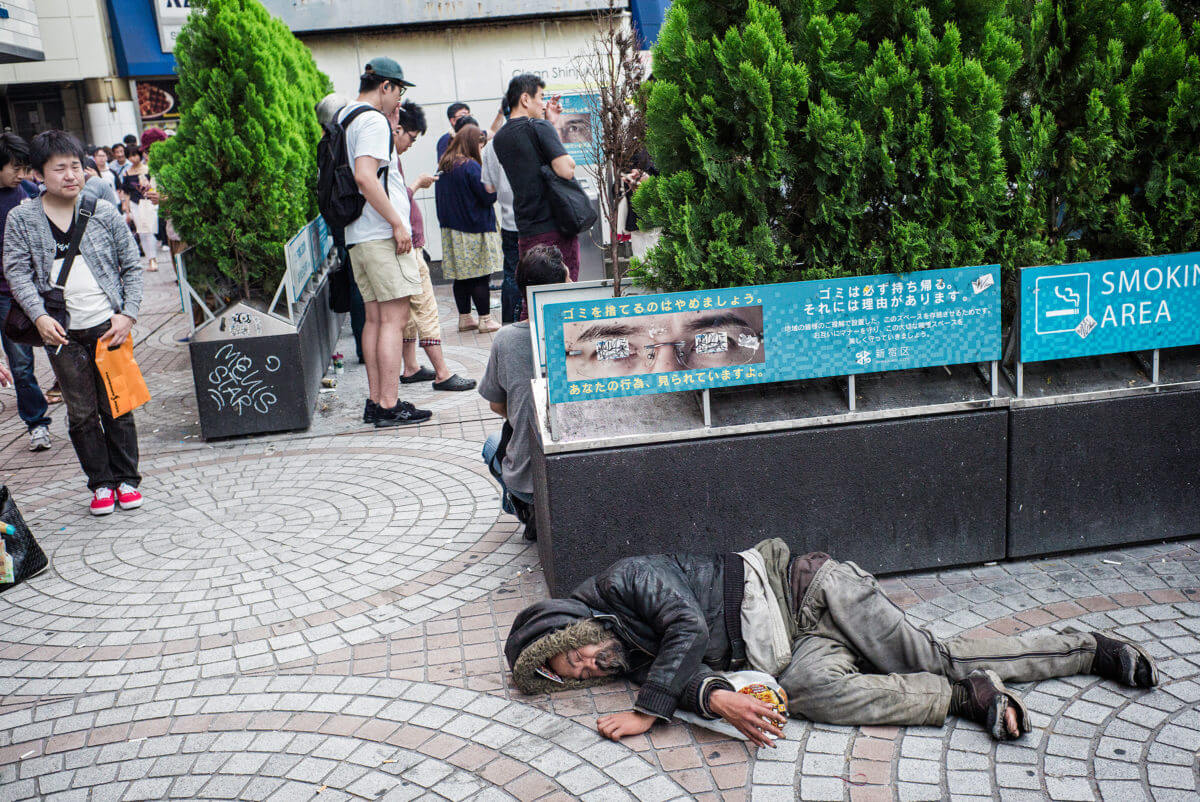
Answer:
[(544, 630)]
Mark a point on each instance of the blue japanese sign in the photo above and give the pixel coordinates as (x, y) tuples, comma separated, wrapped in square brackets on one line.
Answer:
[(777, 332), (1110, 307)]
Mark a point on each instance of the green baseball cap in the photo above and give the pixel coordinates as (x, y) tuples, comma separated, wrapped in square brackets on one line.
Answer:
[(388, 68)]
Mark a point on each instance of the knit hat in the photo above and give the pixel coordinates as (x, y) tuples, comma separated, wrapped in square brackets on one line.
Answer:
[(586, 632)]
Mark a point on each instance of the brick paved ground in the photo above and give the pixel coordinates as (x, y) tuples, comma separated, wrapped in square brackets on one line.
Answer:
[(320, 616)]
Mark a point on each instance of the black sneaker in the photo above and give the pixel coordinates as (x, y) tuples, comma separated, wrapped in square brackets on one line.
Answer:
[(370, 412), (402, 414), (422, 375)]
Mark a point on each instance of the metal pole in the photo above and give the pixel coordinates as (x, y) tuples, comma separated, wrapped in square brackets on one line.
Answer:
[(995, 378), (185, 298), (850, 391), (706, 402), (1154, 372), (1020, 379)]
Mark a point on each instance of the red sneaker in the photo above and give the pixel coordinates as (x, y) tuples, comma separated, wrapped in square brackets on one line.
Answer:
[(128, 497), (103, 501)]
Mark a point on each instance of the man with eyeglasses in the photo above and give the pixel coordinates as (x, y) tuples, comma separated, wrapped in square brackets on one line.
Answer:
[(385, 268), (713, 339), (424, 327), (841, 650)]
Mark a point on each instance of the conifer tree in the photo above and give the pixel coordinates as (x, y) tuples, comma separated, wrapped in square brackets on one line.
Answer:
[(719, 116), (239, 176), (1102, 137), (891, 163)]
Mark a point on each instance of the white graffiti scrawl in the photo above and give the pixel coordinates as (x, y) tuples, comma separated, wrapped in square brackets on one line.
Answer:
[(236, 382)]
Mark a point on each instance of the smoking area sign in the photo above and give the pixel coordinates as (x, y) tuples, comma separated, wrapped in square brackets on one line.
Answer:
[(1110, 307)]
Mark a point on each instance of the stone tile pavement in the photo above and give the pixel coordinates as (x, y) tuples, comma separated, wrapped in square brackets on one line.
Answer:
[(320, 615)]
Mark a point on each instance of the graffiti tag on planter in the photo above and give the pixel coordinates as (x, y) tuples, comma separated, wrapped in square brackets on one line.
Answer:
[(237, 384)]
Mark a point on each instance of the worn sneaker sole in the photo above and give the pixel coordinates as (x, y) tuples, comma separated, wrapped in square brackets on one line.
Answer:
[(133, 505), (103, 510), (39, 447), (389, 423)]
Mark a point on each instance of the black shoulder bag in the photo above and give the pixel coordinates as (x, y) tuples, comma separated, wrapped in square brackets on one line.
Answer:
[(17, 326), (25, 558), (573, 211)]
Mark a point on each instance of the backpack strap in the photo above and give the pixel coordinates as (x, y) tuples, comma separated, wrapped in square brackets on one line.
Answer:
[(506, 433), (351, 117), (734, 589), (86, 209)]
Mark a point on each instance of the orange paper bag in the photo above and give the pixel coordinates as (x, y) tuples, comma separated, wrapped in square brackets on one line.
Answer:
[(123, 382)]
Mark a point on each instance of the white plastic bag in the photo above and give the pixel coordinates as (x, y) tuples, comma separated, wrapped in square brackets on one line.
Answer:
[(742, 682)]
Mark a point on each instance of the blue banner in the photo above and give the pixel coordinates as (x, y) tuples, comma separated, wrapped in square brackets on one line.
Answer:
[(777, 332), (1110, 307)]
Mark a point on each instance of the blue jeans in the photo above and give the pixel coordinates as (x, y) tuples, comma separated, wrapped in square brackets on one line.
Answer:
[(510, 294), (31, 403), (489, 450)]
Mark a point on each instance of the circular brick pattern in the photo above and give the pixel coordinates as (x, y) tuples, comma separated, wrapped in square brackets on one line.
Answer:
[(259, 558), (349, 738), (1091, 739), (250, 541)]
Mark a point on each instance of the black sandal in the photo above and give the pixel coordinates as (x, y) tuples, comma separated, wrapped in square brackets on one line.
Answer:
[(455, 383)]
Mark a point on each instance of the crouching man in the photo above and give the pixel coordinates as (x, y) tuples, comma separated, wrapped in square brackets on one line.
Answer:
[(843, 652)]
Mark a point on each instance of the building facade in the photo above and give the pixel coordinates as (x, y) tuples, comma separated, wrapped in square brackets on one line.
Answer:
[(452, 51), (81, 65)]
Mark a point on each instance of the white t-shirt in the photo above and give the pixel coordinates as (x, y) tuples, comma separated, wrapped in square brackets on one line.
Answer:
[(87, 305), (494, 176), (371, 135)]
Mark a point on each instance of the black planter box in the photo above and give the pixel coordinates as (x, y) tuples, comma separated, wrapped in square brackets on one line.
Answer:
[(1105, 472), (256, 373), (891, 495)]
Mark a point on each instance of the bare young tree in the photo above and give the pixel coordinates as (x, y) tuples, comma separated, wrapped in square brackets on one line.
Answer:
[(612, 73)]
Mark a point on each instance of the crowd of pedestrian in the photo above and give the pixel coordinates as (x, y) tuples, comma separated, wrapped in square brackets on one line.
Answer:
[(56, 193), (477, 170)]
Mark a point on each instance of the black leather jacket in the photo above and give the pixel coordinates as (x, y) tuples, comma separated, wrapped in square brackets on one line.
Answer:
[(670, 610)]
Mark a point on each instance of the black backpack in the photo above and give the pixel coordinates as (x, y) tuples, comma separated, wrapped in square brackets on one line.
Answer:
[(338, 196)]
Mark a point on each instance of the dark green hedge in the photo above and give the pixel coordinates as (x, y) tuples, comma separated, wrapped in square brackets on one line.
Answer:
[(804, 139)]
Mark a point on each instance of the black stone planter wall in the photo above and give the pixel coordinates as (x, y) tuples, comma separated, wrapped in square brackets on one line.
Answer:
[(1102, 473), (891, 495), (268, 383), (898, 495)]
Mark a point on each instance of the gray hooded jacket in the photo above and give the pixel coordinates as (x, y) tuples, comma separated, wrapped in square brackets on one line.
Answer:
[(108, 246)]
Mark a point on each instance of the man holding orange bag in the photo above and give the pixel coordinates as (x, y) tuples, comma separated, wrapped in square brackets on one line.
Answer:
[(51, 242)]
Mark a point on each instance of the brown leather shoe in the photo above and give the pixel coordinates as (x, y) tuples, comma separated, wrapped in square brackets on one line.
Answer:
[(982, 698), (1124, 662)]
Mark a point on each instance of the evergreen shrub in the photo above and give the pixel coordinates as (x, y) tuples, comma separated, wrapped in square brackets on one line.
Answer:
[(802, 139), (239, 176)]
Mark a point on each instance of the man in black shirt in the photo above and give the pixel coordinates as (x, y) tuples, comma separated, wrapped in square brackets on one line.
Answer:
[(532, 120)]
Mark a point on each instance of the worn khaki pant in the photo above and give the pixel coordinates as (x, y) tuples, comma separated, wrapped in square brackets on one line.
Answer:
[(423, 310), (857, 660)]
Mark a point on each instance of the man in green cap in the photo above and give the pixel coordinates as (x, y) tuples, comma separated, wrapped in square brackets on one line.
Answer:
[(380, 241)]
